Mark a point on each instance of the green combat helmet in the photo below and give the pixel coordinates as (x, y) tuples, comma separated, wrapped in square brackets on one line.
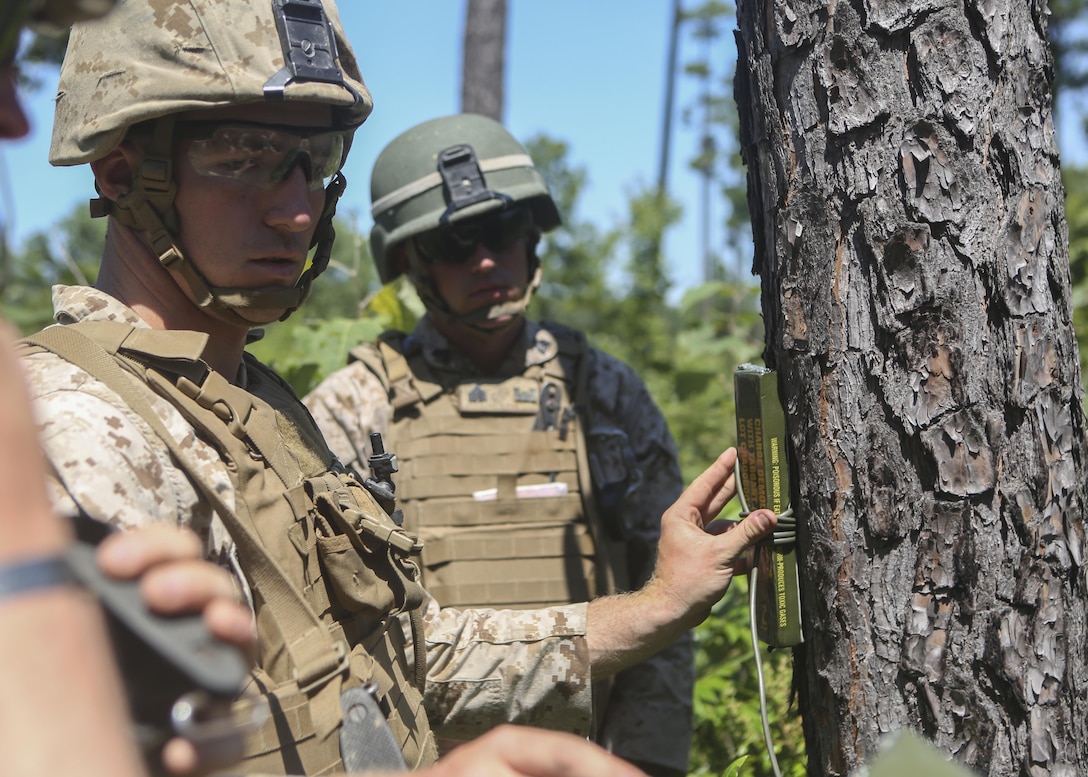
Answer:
[(441, 173), (147, 61)]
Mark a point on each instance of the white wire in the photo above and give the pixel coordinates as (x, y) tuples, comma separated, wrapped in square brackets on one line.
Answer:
[(752, 579)]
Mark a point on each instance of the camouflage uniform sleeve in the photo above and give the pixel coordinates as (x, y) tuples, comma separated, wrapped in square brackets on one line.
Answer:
[(486, 667), (347, 406), (105, 460), (649, 713)]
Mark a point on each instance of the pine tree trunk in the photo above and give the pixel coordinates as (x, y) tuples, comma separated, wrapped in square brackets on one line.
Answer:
[(910, 233), (483, 59)]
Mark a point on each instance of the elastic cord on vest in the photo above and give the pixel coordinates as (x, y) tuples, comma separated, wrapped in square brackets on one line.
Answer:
[(149, 207)]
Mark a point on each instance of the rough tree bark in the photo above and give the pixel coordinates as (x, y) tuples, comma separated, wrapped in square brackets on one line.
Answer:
[(483, 63), (909, 227)]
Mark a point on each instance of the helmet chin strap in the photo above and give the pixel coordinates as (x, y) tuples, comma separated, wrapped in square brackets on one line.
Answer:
[(433, 301), (149, 207)]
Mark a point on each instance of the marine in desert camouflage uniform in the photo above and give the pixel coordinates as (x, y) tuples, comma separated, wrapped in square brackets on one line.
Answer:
[(487, 235), (216, 131), (116, 463)]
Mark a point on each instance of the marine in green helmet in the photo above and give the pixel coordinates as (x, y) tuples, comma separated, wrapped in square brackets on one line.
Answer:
[(534, 467), (216, 131)]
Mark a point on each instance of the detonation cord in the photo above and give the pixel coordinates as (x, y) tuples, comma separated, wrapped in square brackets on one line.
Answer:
[(785, 533)]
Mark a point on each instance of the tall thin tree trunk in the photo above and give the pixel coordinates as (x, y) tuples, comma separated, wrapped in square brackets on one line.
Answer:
[(483, 65), (909, 225)]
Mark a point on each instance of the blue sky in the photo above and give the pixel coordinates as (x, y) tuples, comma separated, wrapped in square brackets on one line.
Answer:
[(591, 73)]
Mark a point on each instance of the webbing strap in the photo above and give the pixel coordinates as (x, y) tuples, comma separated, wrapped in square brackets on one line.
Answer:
[(406, 387), (317, 658)]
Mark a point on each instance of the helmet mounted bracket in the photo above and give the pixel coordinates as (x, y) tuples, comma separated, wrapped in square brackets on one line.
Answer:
[(464, 181), (309, 47)]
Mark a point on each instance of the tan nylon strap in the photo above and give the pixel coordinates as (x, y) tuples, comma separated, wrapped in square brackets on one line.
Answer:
[(512, 541), (316, 657), (402, 392), (457, 425), (175, 348), (507, 488), (582, 402), (406, 388), (419, 647), (448, 456), (470, 513), (442, 439)]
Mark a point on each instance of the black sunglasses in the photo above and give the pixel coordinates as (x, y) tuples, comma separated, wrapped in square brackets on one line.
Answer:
[(455, 243)]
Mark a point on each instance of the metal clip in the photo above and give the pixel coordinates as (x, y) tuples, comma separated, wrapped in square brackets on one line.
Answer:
[(464, 181)]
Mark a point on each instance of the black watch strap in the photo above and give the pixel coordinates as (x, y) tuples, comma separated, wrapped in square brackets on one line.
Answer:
[(27, 575)]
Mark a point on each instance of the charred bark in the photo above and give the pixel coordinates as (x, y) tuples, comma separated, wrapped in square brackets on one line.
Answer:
[(909, 227)]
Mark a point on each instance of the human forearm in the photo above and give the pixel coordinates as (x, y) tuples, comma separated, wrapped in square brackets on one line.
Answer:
[(62, 711), (696, 562), (65, 712), (626, 629)]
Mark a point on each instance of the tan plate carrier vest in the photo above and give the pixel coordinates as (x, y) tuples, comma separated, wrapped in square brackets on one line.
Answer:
[(471, 455), (328, 569)]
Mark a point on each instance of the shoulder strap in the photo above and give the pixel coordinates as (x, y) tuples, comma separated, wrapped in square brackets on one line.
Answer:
[(315, 654), (406, 382), (368, 354)]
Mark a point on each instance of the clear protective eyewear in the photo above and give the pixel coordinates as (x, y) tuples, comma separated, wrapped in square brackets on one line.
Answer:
[(455, 243), (263, 155)]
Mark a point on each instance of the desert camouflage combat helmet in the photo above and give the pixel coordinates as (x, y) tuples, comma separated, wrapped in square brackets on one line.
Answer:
[(150, 60), (445, 171)]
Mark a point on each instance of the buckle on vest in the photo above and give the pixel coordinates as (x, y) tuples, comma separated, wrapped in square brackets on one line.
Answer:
[(318, 673), (389, 534)]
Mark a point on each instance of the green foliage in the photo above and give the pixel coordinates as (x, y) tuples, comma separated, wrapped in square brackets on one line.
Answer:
[(69, 253), (728, 725), (312, 343), (343, 289), (576, 287), (399, 304), (305, 352), (714, 112), (1069, 41)]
